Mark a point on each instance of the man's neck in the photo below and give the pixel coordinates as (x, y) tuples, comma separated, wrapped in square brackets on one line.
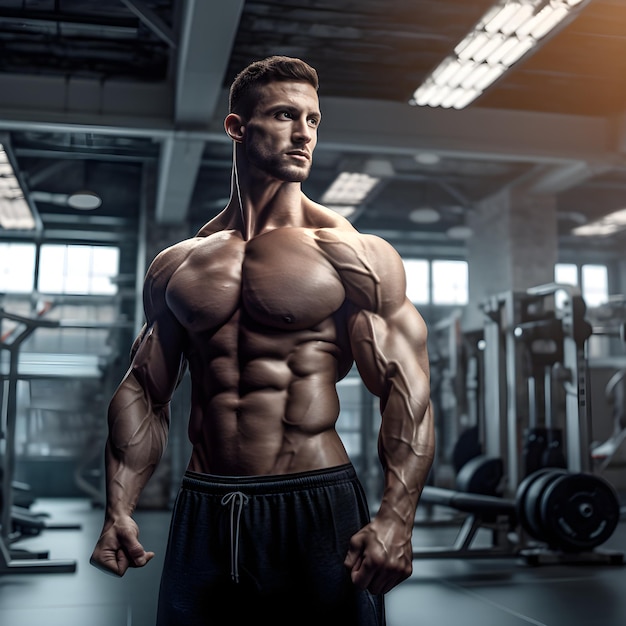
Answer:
[(264, 203)]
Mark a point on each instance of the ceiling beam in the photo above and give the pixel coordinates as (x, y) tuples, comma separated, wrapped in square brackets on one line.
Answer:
[(473, 133), (578, 146), (558, 178), (151, 20), (207, 34)]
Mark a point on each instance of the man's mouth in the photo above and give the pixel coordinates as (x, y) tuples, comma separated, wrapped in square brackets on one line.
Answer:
[(300, 154)]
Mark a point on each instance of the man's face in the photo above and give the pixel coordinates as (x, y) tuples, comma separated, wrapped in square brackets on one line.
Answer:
[(281, 134)]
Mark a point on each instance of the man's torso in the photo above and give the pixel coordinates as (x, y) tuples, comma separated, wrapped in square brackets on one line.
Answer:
[(267, 328)]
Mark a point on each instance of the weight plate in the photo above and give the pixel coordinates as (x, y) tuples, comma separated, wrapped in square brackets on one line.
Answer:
[(466, 448), (522, 492), (481, 475), (579, 511), (532, 501)]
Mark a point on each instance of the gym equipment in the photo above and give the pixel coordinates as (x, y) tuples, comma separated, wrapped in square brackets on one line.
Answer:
[(482, 475), (570, 514), (484, 512), (528, 501), (14, 561), (16, 522), (466, 448), (520, 501), (615, 394), (578, 511), (537, 336)]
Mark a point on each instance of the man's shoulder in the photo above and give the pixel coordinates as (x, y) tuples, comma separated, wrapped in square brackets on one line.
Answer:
[(356, 241), (369, 267)]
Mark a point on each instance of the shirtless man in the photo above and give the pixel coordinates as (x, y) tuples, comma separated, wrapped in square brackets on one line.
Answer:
[(269, 306)]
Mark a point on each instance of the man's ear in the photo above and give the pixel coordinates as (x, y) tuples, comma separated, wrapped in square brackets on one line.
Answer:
[(234, 126)]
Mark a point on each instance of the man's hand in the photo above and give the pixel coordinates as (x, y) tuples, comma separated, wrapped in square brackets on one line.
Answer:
[(118, 548), (380, 557)]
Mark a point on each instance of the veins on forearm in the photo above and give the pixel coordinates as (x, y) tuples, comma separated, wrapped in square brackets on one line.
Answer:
[(405, 458), (137, 434)]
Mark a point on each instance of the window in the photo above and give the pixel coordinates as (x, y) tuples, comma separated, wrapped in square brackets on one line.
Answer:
[(450, 282), (566, 274), (417, 280), (76, 269), (594, 282), (17, 267)]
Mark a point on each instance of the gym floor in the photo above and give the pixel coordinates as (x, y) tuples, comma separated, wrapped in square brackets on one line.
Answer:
[(482, 592)]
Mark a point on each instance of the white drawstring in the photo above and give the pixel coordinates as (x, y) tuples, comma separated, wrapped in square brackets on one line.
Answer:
[(234, 498)]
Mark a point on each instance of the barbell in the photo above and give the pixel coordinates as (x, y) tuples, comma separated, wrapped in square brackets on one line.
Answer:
[(570, 512)]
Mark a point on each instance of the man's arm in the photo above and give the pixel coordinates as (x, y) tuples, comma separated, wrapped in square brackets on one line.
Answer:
[(389, 347), (138, 420)]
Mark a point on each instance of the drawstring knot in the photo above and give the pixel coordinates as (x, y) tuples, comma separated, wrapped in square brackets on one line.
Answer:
[(236, 499)]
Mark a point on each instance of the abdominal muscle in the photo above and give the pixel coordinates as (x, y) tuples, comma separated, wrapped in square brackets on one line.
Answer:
[(274, 412)]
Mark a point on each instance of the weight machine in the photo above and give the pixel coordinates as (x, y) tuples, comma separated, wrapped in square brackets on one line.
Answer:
[(536, 381), (535, 387)]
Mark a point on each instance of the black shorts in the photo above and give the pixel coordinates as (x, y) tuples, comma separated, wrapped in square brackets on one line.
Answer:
[(266, 549)]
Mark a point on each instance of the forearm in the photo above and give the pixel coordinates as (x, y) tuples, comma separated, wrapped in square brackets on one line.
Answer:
[(137, 438), (406, 450)]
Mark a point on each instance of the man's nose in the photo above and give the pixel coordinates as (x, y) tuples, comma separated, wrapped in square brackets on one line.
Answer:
[(302, 131)]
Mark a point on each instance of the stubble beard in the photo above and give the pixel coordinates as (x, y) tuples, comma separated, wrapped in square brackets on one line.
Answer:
[(276, 166)]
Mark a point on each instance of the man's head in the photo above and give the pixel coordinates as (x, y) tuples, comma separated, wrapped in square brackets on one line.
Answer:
[(274, 117), (244, 91)]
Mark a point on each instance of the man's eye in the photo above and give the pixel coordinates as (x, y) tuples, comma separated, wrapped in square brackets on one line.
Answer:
[(285, 114), (313, 121)]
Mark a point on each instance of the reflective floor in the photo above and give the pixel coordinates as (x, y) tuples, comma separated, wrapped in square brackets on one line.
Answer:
[(446, 592)]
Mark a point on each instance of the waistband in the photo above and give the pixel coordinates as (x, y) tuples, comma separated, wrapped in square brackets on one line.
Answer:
[(273, 483)]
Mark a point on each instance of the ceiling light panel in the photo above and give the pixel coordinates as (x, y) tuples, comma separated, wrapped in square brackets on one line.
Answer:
[(503, 36), (15, 213)]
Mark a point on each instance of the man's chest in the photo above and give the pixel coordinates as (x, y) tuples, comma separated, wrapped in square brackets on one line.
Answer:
[(279, 279)]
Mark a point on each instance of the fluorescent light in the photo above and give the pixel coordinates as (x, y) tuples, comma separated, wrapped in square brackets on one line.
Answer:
[(468, 47), (446, 70), (467, 68), (607, 225), (509, 44), (423, 94), (15, 213), (523, 14), (84, 200), (424, 215), (427, 158), (460, 232), (522, 46), (478, 72), (505, 13), (505, 34), (439, 96), (349, 188), (553, 17), (469, 96), (490, 46), (490, 77), (452, 98)]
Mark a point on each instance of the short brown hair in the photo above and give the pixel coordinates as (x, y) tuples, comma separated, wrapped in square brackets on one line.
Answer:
[(244, 90)]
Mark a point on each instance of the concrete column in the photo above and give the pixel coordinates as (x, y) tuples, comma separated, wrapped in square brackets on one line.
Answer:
[(514, 247)]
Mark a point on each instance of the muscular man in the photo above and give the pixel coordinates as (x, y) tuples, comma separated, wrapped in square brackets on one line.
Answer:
[(269, 305)]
